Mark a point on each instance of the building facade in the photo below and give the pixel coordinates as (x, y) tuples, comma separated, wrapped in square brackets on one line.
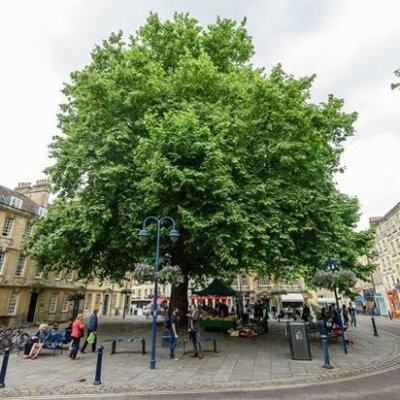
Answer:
[(26, 295), (386, 279)]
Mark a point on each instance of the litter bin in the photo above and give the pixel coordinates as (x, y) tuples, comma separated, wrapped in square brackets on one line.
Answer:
[(298, 339)]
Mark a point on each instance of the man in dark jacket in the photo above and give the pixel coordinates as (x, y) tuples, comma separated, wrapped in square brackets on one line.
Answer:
[(194, 330), (91, 327)]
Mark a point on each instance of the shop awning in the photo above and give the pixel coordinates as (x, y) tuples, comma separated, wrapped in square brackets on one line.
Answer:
[(292, 298), (160, 300), (327, 300)]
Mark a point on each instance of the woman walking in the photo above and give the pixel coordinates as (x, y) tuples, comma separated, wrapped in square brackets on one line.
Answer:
[(76, 334)]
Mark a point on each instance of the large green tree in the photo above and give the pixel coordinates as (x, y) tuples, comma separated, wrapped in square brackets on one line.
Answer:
[(176, 121)]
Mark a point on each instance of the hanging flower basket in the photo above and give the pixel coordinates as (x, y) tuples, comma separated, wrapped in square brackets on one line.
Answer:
[(143, 273), (343, 279), (171, 274)]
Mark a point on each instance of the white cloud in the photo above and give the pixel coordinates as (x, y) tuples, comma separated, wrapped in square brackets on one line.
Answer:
[(350, 45)]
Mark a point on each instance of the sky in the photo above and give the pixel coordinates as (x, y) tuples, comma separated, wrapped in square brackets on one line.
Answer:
[(350, 45)]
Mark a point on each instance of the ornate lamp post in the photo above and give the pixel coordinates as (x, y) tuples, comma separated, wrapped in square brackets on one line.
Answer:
[(332, 265), (143, 235)]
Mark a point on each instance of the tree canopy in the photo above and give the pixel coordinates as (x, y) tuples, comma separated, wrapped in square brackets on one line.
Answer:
[(177, 121)]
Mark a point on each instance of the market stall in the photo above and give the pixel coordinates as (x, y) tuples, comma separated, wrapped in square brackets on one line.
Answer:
[(214, 318)]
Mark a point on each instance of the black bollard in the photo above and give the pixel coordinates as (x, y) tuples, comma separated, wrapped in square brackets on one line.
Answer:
[(4, 367), (325, 350), (97, 378), (113, 346), (374, 326), (390, 315), (143, 346)]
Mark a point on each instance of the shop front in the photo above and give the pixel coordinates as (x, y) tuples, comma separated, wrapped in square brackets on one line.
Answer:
[(394, 303)]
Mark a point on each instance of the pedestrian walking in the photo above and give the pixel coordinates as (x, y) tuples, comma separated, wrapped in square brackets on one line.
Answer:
[(77, 332), (173, 328), (91, 331), (194, 330)]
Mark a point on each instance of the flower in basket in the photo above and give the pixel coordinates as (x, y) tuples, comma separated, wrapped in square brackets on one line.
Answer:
[(143, 273), (170, 274), (323, 279)]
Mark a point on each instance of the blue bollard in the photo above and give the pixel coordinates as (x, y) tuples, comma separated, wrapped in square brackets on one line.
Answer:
[(325, 350), (97, 378), (390, 315), (374, 326), (4, 367)]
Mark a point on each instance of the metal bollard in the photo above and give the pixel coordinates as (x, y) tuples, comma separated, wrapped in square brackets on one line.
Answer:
[(143, 346), (390, 315), (374, 326), (4, 367), (113, 346), (97, 378), (325, 350)]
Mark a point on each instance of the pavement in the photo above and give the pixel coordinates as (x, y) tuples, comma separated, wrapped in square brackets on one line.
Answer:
[(261, 362)]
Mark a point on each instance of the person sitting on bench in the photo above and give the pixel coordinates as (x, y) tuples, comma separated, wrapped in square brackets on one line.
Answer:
[(37, 342)]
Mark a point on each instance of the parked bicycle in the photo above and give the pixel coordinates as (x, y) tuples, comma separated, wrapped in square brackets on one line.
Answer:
[(13, 339)]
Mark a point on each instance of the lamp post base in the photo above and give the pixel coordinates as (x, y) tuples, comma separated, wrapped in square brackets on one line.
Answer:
[(152, 364)]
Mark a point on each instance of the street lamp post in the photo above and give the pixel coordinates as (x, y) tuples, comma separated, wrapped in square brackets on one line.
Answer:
[(143, 235), (331, 266)]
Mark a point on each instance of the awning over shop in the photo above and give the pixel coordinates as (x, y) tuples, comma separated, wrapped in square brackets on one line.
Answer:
[(292, 298), (326, 300), (160, 300)]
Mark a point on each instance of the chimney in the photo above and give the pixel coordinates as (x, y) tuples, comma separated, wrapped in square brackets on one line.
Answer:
[(24, 188), (373, 221), (41, 192)]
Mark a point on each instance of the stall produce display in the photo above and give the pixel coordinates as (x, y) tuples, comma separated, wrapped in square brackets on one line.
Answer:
[(222, 323)]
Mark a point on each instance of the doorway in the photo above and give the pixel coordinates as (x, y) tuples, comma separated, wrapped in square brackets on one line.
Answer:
[(32, 307)]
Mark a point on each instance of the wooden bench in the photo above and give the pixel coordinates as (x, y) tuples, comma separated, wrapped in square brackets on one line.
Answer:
[(131, 341)]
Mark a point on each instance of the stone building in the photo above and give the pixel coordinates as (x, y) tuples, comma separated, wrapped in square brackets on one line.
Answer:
[(385, 287), (28, 297), (254, 287)]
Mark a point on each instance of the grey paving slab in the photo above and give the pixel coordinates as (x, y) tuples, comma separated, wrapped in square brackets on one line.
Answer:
[(240, 362)]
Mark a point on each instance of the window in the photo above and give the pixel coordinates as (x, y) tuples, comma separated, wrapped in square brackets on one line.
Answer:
[(37, 273), (15, 202), (2, 260), (7, 227), (97, 301), (114, 301), (243, 280), (19, 270), (28, 229), (88, 302), (65, 304), (42, 212), (68, 276), (59, 276), (263, 281), (53, 303), (12, 304)]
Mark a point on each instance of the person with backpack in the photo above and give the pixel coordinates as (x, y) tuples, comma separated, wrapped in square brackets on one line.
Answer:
[(172, 323)]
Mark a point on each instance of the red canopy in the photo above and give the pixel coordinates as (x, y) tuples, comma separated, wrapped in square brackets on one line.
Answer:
[(160, 300)]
